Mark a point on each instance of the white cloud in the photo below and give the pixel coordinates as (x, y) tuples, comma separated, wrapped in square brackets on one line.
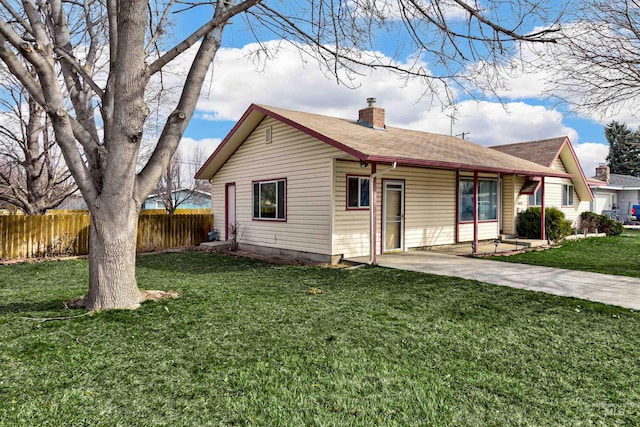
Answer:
[(492, 123), (590, 155), (198, 149), (449, 9), (292, 82)]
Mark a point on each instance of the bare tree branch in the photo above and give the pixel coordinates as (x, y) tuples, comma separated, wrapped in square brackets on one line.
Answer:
[(218, 20)]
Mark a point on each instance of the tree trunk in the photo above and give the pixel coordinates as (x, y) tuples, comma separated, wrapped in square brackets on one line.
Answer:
[(112, 257)]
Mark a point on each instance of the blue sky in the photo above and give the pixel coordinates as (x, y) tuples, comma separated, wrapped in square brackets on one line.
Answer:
[(290, 81)]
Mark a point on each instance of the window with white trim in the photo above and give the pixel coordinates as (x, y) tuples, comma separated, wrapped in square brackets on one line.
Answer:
[(270, 200), (357, 192), (487, 200), (535, 199), (567, 195)]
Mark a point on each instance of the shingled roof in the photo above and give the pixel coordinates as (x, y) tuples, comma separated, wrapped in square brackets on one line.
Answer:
[(543, 151), (617, 180), (406, 147)]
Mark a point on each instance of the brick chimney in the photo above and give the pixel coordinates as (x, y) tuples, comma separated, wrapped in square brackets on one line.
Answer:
[(372, 117), (602, 173)]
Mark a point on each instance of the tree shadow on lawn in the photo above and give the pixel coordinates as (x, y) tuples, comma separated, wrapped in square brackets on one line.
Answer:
[(35, 307), (201, 262)]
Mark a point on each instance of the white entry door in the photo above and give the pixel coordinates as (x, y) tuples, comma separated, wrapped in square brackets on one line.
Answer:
[(230, 210), (393, 216)]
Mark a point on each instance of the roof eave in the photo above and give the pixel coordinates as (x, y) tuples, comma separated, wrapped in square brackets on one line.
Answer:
[(583, 188), (467, 167), (209, 169)]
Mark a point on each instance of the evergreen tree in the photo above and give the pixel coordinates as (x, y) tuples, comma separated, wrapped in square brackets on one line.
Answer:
[(624, 149)]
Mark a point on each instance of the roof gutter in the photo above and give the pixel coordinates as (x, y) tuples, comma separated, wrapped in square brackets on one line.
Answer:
[(372, 210), (453, 166)]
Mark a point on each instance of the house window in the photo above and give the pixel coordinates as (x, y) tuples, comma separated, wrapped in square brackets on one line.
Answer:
[(270, 200), (487, 200), (535, 199), (357, 192), (567, 195)]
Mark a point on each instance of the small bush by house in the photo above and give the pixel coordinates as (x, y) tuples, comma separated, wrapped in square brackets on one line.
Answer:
[(596, 223), (557, 226)]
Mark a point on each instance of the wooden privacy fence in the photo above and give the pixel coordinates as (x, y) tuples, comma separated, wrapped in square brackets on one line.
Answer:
[(32, 236)]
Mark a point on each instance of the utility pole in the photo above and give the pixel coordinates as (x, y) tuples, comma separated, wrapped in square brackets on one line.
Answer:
[(452, 117), (463, 134)]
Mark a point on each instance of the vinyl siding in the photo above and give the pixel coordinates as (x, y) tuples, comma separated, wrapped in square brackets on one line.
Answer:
[(486, 231), (351, 227), (430, 213), (429, 209), (553, 193), (553, 196), (305, 163), (509, 196)]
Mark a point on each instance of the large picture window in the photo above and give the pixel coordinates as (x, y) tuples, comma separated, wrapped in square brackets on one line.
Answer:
[(357, 192), (567, 195), (270, 200), (487, 200)]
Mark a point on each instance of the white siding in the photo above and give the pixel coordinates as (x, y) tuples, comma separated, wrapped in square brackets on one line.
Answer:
[(306, 163)]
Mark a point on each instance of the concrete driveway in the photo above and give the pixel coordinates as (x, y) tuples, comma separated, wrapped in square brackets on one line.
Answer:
[(609, 289)]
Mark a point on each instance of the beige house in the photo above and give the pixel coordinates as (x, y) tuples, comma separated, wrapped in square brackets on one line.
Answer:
[(323, 188), (571, 193)]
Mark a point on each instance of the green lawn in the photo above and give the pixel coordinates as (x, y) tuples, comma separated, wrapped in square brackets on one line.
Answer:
[(610, 255), (248, 344)]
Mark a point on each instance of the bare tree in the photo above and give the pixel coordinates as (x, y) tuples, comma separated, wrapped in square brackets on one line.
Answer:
[(595, 67), (33, 175), (177, 185), (67, 39)]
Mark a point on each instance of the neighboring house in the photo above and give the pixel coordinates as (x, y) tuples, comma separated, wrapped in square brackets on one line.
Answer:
[(298, 184), (188, 199), (614, 192), (197, 200), (75, 202), (571, 194)]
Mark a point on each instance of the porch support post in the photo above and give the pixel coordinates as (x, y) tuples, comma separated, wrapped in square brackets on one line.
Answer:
[(373, 187), (543, 228), (457, 219), (475, 212), (373, 210)]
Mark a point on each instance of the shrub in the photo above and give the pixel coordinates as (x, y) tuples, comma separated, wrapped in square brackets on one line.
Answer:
[(529, 223), (593, 222), (556, 225)]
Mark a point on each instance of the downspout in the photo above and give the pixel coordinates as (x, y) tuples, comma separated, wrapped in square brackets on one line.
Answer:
[(372, 209)]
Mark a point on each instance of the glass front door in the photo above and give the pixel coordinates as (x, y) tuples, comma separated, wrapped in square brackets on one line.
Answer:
[(393, 216)]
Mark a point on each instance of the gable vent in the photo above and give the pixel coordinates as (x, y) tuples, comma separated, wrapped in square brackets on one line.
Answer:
[(267, 135)]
